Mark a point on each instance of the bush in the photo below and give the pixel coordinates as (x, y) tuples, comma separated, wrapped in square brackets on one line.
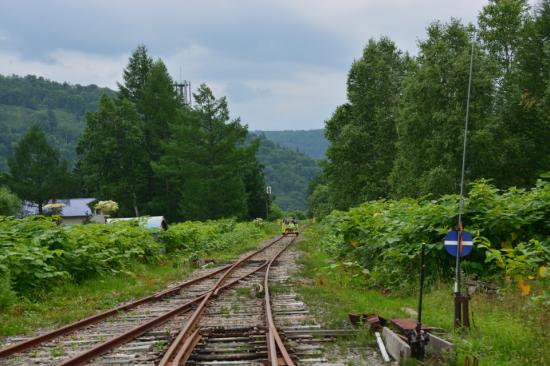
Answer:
[(38, 253), (196, 238), (7, 295), (511, 234), (275, 212), (9, 202)]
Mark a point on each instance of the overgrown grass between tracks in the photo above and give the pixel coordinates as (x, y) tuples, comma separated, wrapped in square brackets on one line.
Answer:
[(508, 329), (69, 301)]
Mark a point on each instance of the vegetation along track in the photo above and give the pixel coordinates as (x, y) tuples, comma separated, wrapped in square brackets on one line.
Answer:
[(138, 332)]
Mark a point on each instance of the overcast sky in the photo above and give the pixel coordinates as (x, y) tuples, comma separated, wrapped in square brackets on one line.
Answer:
[(282, 63)]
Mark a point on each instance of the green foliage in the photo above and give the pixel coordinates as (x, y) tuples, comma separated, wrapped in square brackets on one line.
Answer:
[(362, 132), (195, 239), (309, 142), (431, 116), (288, 173), (511, 229), (38, 254), (205, 156), (37, 173), (7, 295), (136, 74), (57, 108), (10, 204), (156, 156), (401, 132), (508, 329), (107, 169), (275, 212)]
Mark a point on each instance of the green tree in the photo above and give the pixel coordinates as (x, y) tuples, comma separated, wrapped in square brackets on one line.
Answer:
[(113, 158), (288, 172), (501, 25), (206, 152), (431, 115), (363, 132), (160, 107), (518, 42), (254, 183), (37, 173), (10, 204), (135, 75)]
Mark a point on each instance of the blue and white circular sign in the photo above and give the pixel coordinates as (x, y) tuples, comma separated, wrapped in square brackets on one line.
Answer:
[(451, 243)]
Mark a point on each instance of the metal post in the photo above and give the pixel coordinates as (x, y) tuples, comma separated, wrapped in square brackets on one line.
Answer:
[(420, 292), (458, 295), (417, 339)]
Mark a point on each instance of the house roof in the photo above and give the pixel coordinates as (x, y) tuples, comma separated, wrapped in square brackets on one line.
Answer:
[(74, 207)]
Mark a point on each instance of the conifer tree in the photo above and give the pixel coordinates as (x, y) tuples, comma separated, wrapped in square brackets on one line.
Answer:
[(113, 159), (37, 173), (135, 75), (206, 151)]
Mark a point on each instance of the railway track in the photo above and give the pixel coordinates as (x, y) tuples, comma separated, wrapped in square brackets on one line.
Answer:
[(226, 316), (150, 322)]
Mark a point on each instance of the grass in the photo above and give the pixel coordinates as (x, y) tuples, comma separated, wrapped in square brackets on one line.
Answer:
[(73, 301), (508, 329)]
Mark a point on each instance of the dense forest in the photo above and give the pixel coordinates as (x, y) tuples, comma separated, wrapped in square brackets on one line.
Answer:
[(401, 132), (58, 109), (288, 172), (309, 142)]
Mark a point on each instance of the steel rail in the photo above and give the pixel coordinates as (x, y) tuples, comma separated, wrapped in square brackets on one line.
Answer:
[(185, 345), (141, 329), (125, 337), (35, 341), (182, 347), (274, 342)]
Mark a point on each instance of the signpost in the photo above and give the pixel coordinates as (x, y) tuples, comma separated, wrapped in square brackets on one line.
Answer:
[(453, 244), (459, 242), (266, 196)]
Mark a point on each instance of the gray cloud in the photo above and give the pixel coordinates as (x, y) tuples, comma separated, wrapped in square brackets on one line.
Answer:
[(282, 64)]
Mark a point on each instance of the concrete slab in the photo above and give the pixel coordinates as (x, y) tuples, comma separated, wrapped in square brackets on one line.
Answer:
[(438, 345), (396, 347)]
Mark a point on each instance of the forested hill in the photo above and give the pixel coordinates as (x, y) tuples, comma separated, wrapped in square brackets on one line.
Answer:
[(309, 142), (59, 109), (288, 172)]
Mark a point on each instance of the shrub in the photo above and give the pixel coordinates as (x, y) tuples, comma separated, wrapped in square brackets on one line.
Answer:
[(9, 202), (7, 295), (38, 253), (511, 234), (196, 238)]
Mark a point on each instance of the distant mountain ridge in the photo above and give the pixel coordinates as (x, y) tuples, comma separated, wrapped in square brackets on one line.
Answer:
[(309, 142), (288, 172)]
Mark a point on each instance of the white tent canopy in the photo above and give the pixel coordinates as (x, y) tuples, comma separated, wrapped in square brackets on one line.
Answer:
[(150, 222)]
